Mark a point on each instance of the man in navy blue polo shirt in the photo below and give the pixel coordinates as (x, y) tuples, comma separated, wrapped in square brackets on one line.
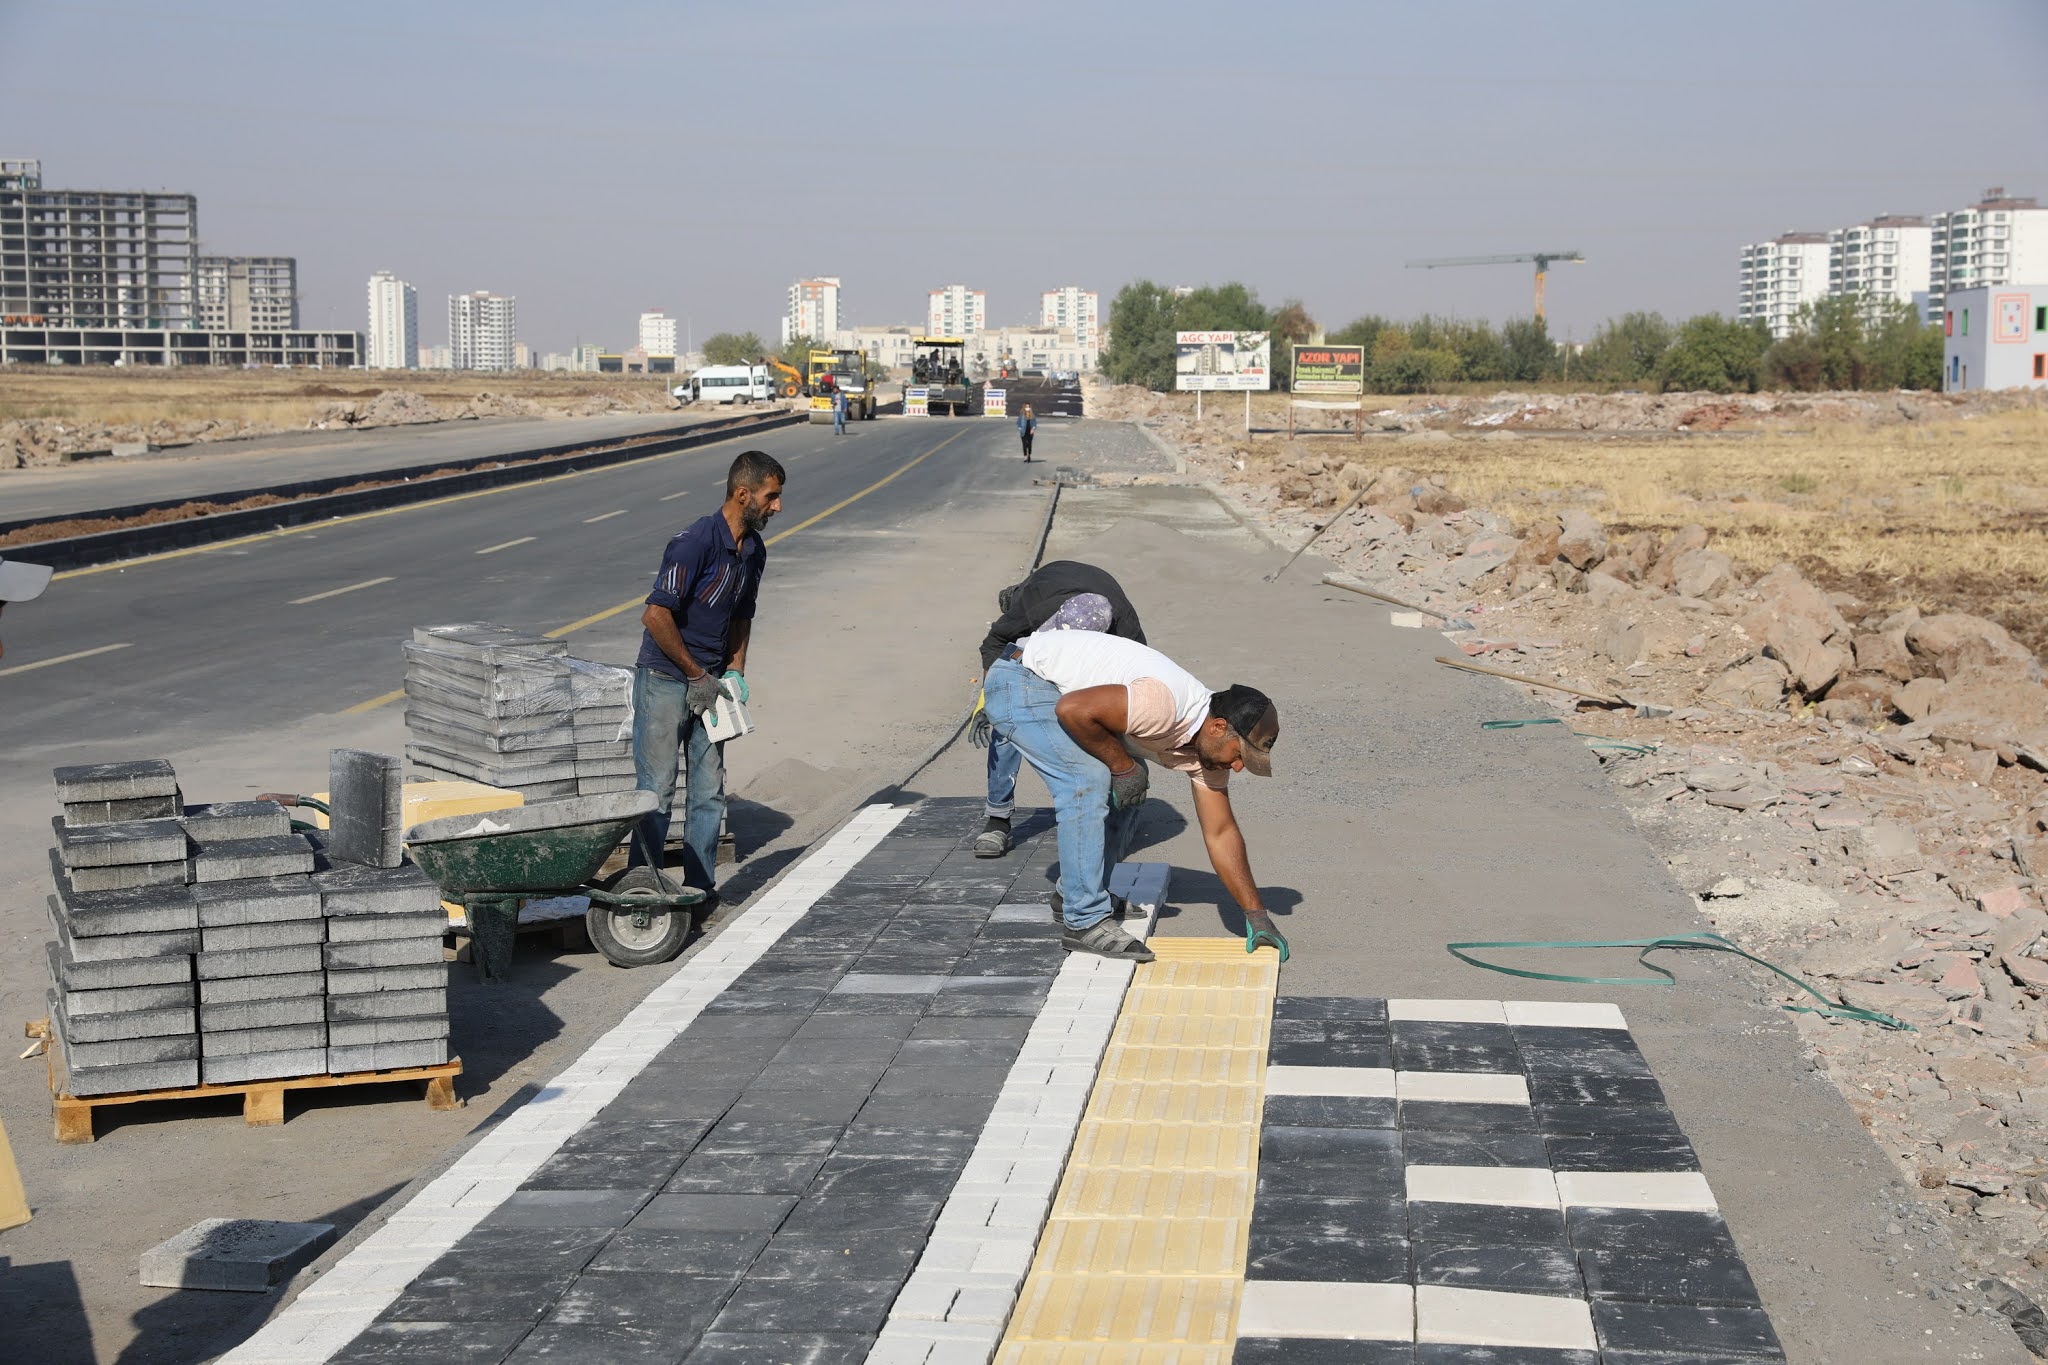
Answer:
[(698, 621)]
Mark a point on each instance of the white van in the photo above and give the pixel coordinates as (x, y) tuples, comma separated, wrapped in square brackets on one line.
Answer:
[(726, 384)]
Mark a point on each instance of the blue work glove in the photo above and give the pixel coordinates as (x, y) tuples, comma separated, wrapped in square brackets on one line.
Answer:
[(736, 685)]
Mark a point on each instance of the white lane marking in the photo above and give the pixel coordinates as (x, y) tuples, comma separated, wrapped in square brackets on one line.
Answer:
[(60, 659), (505, 545), (607, 516), (334, 1309), (671, 497), (336, 592)]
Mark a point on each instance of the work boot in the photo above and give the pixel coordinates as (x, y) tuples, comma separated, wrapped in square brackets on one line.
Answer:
[(1118, 906), (994, 839), (1105, 939)]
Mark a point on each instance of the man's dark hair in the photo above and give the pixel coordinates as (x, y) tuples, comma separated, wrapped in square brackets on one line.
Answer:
[(1241, 707), (751, 469)]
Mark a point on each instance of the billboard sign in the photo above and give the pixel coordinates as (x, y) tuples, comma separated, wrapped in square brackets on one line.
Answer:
[(1223, 360), (1330, 369)]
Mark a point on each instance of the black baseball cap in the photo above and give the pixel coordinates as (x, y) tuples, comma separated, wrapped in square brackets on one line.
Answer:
[(1244, 710)]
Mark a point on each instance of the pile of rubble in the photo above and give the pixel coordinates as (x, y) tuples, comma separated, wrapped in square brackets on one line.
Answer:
[(1860, 796)]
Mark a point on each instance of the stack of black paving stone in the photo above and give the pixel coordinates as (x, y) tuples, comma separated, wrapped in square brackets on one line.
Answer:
[(387, 987), (121, 998)]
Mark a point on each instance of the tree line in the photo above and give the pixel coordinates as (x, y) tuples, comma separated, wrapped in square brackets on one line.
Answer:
[(1840, 342)]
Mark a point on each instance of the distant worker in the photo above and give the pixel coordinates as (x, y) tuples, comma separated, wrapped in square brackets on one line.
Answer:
[(1088, 711), (21, 581), (1062, 595), (838, 411), (1027, 427), (698, 622)]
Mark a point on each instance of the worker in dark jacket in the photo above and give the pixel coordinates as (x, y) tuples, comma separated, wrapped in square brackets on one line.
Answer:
[(1062, 595)]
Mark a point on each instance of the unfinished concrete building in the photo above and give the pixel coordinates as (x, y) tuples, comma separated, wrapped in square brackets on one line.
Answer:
[(94, 258), (248, 293)]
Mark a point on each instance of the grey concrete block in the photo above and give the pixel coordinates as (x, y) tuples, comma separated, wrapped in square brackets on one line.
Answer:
[(366, 797), (411, 1029), (119, 947), (234, 859), (247, 1255), (121, 844), (387, 1005), (131, 1051), (86, 1004), (280, 1038), (254, 1014), (389, 952), (120, 974), (130, 874), (114, 1028), (278, 934), (385, 1056), (364, 982), (257, 900), (116, 781), (264, 1066), (119, 1080), (235, 820), (258, 961), (362, 928), (233, 990), (133, 808), (131, 910), (346, 889)]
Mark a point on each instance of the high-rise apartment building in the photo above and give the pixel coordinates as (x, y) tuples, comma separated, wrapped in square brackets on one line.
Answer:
[(813, 309), (394, 323), (1071, 308), (2001, 239), (1779, 276), (248, 293), (480, 330), (1883, 261), (95, 258), (957, 311), (658, 333)]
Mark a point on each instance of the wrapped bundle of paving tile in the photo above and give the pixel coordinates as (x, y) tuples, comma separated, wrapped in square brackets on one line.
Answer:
[(602, 697), (121, 997), (487, 703), (262, 987)]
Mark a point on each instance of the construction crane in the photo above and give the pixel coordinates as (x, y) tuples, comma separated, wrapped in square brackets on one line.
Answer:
[(1541, 258)]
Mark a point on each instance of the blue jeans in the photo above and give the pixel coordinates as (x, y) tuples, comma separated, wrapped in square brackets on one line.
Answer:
[(1092, 836), (662, 726), (1003, 762), (839, 421)]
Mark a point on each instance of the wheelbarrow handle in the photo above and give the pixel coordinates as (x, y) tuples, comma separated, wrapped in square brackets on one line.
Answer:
[(291, 801), (677, 899)]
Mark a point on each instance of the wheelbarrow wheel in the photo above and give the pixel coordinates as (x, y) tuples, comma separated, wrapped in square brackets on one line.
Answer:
[(630, 936)]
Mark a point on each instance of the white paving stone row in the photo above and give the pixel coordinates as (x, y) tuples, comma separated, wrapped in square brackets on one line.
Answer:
[(330, 1313), (959, 1297)]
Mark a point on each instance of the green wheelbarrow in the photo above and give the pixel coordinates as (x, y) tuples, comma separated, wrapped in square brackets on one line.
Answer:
[(494, 861)]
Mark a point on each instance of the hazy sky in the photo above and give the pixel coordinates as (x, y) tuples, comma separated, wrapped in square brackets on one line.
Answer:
[(598, 160)]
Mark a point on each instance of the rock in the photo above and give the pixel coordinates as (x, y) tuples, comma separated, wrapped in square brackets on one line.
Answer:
[(1726, 889), (1911, 1004), (1785, 592), (1883, 654), (1990, 711), (1840, 817), (1798, 644), (2029, 1323), (1581, 541), (1664, 573), (1936, 637), (1886, 848), (1756, 796), (1621, 642), (2030, 972), (1958, 977), (1719, 777), (1437, 501), (1704, 574), (2002, 902), (1918, 698), (1862, 699), (1754, 684), (1539, 545), (2018, 932)]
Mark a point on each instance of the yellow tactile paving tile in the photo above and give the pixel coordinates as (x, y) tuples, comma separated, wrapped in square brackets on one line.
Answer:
[(1198, 1309), (1143, 1246), (1142, 1260), (1164, 1146)]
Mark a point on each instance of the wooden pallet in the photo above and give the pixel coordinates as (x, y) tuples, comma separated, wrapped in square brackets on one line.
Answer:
[(262, 1101)]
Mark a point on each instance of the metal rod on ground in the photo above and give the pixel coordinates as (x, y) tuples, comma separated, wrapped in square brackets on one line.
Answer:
[(1331, 580), (1605, 698), (1356, 498)]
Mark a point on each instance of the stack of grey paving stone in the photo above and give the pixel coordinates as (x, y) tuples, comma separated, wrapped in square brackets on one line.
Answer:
[(488, 703)]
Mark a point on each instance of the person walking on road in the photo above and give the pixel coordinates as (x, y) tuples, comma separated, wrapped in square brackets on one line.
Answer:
[(698, 621), (21, 581), (838, 411), (1027, 427), (1089, 711), (1062, 595)]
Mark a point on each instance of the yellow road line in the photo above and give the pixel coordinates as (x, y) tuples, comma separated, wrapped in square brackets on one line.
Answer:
[(609, 612), (603, 516), (1142, 1258), (61, 659), (336, 592), (506, 545)]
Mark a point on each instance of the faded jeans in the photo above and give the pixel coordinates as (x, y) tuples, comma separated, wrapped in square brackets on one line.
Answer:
[(1092, 836), (662, 726), (1003, 762)]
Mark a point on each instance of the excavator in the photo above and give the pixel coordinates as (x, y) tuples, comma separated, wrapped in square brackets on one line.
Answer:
[(786, 381)]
